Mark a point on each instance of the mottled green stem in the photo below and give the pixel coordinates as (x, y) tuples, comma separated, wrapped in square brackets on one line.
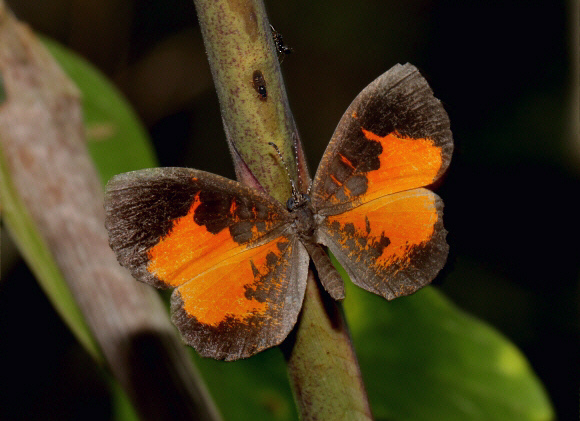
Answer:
[(238, 42), (322, 365)]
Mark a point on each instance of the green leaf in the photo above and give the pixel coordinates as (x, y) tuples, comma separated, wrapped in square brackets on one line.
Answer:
[(122, 409), (256, 388), (422, 358), (117, 140)]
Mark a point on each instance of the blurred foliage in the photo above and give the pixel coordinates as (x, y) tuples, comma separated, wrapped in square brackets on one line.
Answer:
[(509, 211), (116, 139), (34, 249), (424, 359), (421, 359)]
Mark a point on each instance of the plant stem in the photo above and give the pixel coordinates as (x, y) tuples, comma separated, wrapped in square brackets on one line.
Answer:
[(322, 364), (238, 43)]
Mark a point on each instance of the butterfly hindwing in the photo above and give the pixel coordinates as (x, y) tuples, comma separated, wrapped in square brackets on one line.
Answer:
[(245, 304), (384, 229), (239, 270), (390, 246)]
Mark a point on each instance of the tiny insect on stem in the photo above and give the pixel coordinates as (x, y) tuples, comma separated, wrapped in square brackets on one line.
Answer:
[(281, 48)]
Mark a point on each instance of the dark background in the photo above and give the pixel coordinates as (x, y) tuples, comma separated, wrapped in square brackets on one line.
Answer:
[(504, 72)]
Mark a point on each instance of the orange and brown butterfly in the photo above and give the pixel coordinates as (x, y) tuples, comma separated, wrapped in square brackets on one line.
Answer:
[(238, 259)]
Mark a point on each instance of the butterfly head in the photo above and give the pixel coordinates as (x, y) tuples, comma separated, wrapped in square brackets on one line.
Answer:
[(297, 200)]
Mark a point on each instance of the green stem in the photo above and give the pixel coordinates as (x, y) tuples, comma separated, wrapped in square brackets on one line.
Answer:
[(322, 365), (238, 43)]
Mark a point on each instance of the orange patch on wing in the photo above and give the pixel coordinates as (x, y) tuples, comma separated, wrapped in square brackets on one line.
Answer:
[(407, 219), (406, 163), (190, 249), (220, 293)]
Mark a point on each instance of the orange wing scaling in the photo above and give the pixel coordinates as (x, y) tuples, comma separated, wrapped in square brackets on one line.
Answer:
[(239, 270), (246, 303), (391, 246), (191, 247)]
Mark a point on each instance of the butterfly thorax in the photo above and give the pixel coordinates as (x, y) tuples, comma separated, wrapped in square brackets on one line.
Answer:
[(300, 207)]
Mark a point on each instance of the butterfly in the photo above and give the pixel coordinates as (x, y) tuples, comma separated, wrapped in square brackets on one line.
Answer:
[(238, 259)]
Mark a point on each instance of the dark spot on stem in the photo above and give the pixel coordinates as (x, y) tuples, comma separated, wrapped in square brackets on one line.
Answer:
[(259, 84)]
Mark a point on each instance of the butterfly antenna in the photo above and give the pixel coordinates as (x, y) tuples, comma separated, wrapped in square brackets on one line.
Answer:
[(295, 148), (294, 190)]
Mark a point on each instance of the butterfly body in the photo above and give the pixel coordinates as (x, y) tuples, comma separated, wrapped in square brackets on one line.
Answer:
[(238, 259), (303, 215)]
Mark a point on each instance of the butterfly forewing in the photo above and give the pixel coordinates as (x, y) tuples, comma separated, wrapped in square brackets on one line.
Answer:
[(394, 136), (228, 249), (386, 231)]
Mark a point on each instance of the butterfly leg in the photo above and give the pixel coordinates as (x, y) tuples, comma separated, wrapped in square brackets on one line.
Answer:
[(329, 277)]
